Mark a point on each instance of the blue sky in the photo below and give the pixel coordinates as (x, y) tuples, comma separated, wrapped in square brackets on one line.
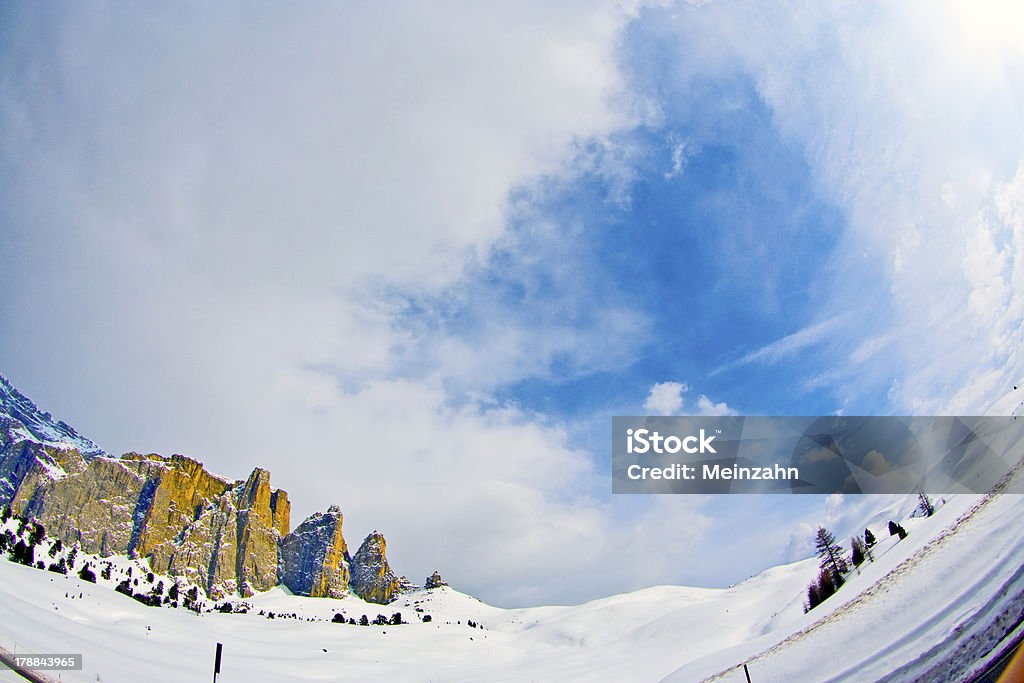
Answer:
[(413, 258)]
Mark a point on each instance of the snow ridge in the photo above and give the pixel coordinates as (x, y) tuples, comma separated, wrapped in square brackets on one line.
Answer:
[(32, 424)]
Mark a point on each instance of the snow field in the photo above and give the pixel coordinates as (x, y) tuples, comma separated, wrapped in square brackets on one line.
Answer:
[(645, 635)]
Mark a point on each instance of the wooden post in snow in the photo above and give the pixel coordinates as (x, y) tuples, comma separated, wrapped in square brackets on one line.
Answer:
[(216, 663)]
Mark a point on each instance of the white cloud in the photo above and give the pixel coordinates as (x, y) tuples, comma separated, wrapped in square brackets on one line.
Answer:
[(800, 544), (909, 121), (708, 407), (200, 214), (789, 345), (212, 205), (680, 156), (665, 398)]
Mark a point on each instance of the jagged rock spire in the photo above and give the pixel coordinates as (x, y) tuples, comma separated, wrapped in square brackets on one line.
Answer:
[(371, 576), (314, 557)]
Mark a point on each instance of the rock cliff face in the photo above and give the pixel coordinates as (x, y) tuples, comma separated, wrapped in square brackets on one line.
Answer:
[(434, 581), (372, 578), (227, 536), (314, 557), (222, 535)]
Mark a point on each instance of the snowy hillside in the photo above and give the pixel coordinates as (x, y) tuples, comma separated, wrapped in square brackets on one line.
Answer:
[(935, 605), (930, 607), (960, 567)]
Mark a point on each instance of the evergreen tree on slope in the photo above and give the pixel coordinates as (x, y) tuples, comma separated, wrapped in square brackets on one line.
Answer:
[(830, 554)]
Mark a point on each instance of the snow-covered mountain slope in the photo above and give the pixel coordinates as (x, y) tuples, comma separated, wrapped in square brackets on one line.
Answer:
[(26, 421), (933, 607), (957, 569), (633, 637)]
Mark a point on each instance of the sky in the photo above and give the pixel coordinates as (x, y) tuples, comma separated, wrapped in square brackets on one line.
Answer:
[(412, 257)]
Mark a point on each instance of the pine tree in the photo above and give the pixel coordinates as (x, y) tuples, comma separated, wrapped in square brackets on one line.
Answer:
[(826, 586), (925, 505), (869, 538), (191, 600), (830, 554), (38, 534), (23, 553), (813, 596), (856, 551), (819, 590)]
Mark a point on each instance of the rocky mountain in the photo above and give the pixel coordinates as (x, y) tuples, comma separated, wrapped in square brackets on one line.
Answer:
[(227, 536), (315, 559), (372, 578), (19, 413)]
